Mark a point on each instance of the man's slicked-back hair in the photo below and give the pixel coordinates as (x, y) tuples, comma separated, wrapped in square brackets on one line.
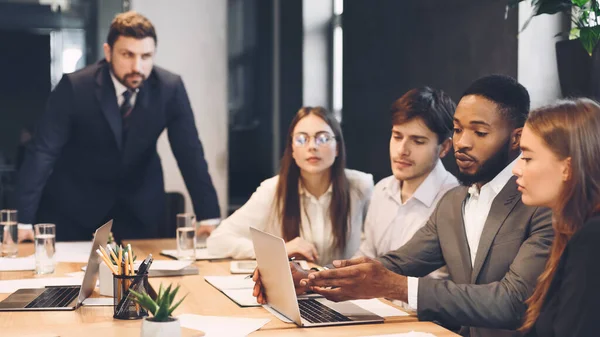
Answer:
[(434, 107), (511, 97), (130, 24)]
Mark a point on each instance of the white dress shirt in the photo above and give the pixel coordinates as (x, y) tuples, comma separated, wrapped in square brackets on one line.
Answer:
[(390, 223), (232, 237), (475, 211), (119, 90)]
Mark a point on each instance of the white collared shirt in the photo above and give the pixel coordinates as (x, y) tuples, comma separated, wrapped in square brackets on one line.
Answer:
[(232, 237), (475, 212), (120, 89), (390, 223)]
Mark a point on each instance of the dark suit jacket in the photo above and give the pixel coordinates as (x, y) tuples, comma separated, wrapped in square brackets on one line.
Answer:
[(572, 305), (512, 253), (78, 167)]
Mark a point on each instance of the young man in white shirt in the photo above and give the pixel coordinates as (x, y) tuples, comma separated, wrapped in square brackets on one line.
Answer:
[(402, 203), (494, 246)]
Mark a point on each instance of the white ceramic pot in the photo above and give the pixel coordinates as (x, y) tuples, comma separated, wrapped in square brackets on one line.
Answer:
[(105, 278), (151, 328)]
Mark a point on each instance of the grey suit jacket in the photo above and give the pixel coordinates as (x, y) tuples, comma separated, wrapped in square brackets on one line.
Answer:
[(488, 298)]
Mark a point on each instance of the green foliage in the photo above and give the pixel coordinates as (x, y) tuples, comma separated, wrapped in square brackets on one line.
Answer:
[(162, 307), (584, 15)]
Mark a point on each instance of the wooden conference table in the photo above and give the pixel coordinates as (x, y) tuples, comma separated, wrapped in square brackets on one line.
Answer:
[(203, 299)]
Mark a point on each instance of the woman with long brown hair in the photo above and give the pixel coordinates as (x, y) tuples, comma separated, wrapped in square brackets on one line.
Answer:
[(560, 169), (315, 204)]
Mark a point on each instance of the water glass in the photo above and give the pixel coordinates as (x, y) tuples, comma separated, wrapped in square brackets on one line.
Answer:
[(45, 247), (186, 236), (9, 232)]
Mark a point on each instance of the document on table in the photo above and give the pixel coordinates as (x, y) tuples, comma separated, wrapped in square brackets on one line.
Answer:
[(73, 251), (10, 286), (237, 287), (17, 263), (214, 326), (99, 302), (377, 307), (201, 254)]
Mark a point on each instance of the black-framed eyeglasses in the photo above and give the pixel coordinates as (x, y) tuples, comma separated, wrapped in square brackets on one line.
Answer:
[(321, 138)]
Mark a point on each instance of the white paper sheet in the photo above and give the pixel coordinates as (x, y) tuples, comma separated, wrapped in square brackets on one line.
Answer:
[(201, 254), (10, 286), (242, 297), (406, 334), (214, 326), (166, 264), (379, 308), (73, 251), (99, 301), (230, 282), (17, 263)]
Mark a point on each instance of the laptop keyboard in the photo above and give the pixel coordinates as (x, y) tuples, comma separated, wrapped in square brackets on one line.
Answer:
[(315, 312), (55, 297)]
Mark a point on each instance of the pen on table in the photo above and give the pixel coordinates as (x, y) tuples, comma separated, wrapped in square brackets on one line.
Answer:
[(252, 275)]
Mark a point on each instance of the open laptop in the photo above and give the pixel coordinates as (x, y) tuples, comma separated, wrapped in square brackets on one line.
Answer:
[(276, 277), (61, 297)]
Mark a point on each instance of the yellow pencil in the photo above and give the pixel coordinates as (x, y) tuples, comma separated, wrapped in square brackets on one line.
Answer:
[(120, 260), (126, 272), (112, 254), (106, 261), (131, 260)]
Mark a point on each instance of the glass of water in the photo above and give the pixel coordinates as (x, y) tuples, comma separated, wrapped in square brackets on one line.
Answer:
[(45, 241), (186, 236), (9, 232)]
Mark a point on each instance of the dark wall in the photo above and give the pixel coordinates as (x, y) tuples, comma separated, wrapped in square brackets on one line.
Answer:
[(25, 85), (391, 46)]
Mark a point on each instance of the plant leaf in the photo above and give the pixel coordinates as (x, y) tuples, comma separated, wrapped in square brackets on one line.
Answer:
[(589, 37), (580, 3), (176, 305)]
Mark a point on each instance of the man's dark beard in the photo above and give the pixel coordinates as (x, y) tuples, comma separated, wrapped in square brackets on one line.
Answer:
[(123, 80), (489, 169)]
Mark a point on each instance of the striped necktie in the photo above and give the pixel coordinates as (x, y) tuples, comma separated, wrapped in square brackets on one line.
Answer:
[(126, 108)]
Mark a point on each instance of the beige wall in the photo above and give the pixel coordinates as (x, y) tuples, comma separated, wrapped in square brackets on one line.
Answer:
[(192, 43)]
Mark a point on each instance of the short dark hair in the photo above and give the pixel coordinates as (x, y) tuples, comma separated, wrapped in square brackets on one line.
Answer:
[(511, 97), (433, 106), (130, 24)]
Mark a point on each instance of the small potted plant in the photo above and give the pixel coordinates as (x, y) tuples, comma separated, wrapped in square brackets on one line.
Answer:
[(161, 324)]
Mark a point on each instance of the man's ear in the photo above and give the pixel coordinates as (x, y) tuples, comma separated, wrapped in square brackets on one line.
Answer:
[(515, 139), (445, 147), (107, 52)]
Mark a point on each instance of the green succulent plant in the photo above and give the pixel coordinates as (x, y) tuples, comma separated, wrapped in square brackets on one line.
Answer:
[(162, 307)]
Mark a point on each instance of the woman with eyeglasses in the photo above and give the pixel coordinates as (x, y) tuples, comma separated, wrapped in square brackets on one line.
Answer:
[(559, 168), (315, 204)]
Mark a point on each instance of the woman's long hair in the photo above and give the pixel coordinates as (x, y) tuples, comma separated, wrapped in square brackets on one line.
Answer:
[(570, 128), (287, 199)]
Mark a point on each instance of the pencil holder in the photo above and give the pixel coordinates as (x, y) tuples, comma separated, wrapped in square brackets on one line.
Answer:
[(125, 306)]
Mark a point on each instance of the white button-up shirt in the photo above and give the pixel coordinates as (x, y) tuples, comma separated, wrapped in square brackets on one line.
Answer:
[(475, 213), (120, 89), (232, 237), (390, 223)]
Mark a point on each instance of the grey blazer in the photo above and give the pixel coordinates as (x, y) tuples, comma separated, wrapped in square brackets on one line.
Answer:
[(488, 297)]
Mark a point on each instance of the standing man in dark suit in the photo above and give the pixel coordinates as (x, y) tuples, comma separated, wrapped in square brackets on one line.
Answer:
[(493, 245), (94, 156)]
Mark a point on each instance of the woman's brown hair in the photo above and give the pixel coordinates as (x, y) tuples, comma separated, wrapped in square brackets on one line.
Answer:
[(287, 199), (570, 130)]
